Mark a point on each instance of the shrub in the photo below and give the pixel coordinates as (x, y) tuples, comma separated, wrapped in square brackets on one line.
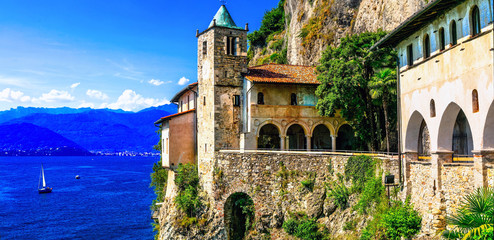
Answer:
[(304, 228), (373, 192), (475, 218), (308, 183), (401, 221), (272, 22), (187, 182), (290, 226), (339, 193), (359, 169)]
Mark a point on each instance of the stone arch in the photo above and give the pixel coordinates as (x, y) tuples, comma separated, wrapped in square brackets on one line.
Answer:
[(447, 128), (424, 140), (302, 124), (277, 125), (325, 123), (321, 137), (345, 139), (296, 137), (462, 143), (239, 214), (413, 132), (488, 134), (268, 136)]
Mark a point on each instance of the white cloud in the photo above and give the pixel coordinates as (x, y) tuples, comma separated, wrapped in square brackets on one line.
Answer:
[(9, 95), (55, 96), (85, 104), (131, 101), (183, 81), (96, 94), (156, 82), (73, 86)]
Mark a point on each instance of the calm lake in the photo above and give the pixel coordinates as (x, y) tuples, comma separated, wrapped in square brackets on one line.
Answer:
[(110, 200)]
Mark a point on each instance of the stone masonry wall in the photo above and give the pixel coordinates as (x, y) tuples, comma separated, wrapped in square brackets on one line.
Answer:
[(456, 184), (421, 190)]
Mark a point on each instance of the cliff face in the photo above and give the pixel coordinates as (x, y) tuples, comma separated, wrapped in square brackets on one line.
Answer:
[(312, 25)]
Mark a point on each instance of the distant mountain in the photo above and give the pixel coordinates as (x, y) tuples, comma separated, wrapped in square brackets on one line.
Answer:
[(30, 140), (102, 130)]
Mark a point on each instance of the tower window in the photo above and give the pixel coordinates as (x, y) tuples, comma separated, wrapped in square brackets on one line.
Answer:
[(205, 48), (475, 21), (433, 108), (454, 35), (231, 46), (410, 54), (442, 41), (236, 100), (260, 98), (427, 46), (204, 102), (475, 101), (293, 99)]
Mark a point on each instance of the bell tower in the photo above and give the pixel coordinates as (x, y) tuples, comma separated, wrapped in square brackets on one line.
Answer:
[(221, 60)]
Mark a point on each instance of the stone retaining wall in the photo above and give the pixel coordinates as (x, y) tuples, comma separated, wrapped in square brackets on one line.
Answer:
[(457, 182)]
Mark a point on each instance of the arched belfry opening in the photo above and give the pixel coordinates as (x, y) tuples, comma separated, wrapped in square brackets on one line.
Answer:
[(239, 215), (424, 144), (296, 137), (321, 138), (346, 138), (269, 137), (462, 136)]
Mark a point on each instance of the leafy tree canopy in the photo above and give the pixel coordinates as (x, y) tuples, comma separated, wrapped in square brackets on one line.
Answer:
[(272, 22), (346, 73)]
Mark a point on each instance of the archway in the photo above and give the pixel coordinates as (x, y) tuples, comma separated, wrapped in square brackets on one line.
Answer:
[(412, 137), (321, 137), (462, 136), (269, 137), (239, 215), (488, 135), (296, 137), (346, 138)]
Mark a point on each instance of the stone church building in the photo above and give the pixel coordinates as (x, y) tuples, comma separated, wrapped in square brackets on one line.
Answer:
[(233, 106)]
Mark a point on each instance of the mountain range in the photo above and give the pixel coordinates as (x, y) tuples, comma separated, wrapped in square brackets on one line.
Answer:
[(82, 130)]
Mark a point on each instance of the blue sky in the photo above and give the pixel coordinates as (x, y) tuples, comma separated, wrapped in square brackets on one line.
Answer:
[(118, 54)]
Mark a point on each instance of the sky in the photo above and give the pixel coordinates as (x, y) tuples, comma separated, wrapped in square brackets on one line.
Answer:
[(118, 54)]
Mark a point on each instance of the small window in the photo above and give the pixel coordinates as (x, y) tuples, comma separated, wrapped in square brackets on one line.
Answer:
[(260, 98), (204, 102), (410, 54), (454, 35), (442, 41), (475, 21), (188, 102), (231, 45), (204, 48), (433, 108), (293, 99), (181, 106), (427, 46), (166, 146), (236, 100), (475, 101)]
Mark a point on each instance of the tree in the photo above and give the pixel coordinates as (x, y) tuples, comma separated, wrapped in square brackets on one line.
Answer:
[(383, 87), (475, 218), (345, 72), (272, 22)]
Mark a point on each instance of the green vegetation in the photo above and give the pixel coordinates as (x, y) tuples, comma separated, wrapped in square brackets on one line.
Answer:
[(350, 77), (313, 29), (475, 218), (304, 228), (339, 193), (159, 177), (273, 23), (360, 169), (187, 199), (350, 225)]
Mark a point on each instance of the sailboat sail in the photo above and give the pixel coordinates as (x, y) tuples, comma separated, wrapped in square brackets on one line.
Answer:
[(43, 175)]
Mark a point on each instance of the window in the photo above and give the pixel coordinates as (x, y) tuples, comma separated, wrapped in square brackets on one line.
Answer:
[(475, 101), (410, 54), (204, 48), (166, 146), (260, 98), (433, 108), (475, 21), (293, 99), (454, 36), (236, 100), (442, 41), (181, 106), (231, 45), (204, 103), (188, 102), (427, 46), (226, 74)]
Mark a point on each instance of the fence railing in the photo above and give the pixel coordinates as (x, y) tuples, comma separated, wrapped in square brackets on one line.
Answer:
[(456, 158), (314, 151)]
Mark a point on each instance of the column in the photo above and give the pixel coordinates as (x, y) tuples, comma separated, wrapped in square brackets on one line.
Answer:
[(480, 158), (438, 158), (309, 147), (282, 142), (333, 142)]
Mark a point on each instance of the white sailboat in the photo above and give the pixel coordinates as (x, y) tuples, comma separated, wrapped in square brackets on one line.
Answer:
[(44, 188)]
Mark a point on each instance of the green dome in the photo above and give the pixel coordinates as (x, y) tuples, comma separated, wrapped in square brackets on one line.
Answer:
[(224, 19)]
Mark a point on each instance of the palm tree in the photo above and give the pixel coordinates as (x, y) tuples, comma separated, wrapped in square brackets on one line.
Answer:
[(475, 218), (383, 85)]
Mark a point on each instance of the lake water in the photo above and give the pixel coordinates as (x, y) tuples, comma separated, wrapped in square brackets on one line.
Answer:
[(110, 201)]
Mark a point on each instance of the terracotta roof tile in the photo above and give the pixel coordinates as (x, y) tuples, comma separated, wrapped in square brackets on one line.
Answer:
[(281, 73)]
